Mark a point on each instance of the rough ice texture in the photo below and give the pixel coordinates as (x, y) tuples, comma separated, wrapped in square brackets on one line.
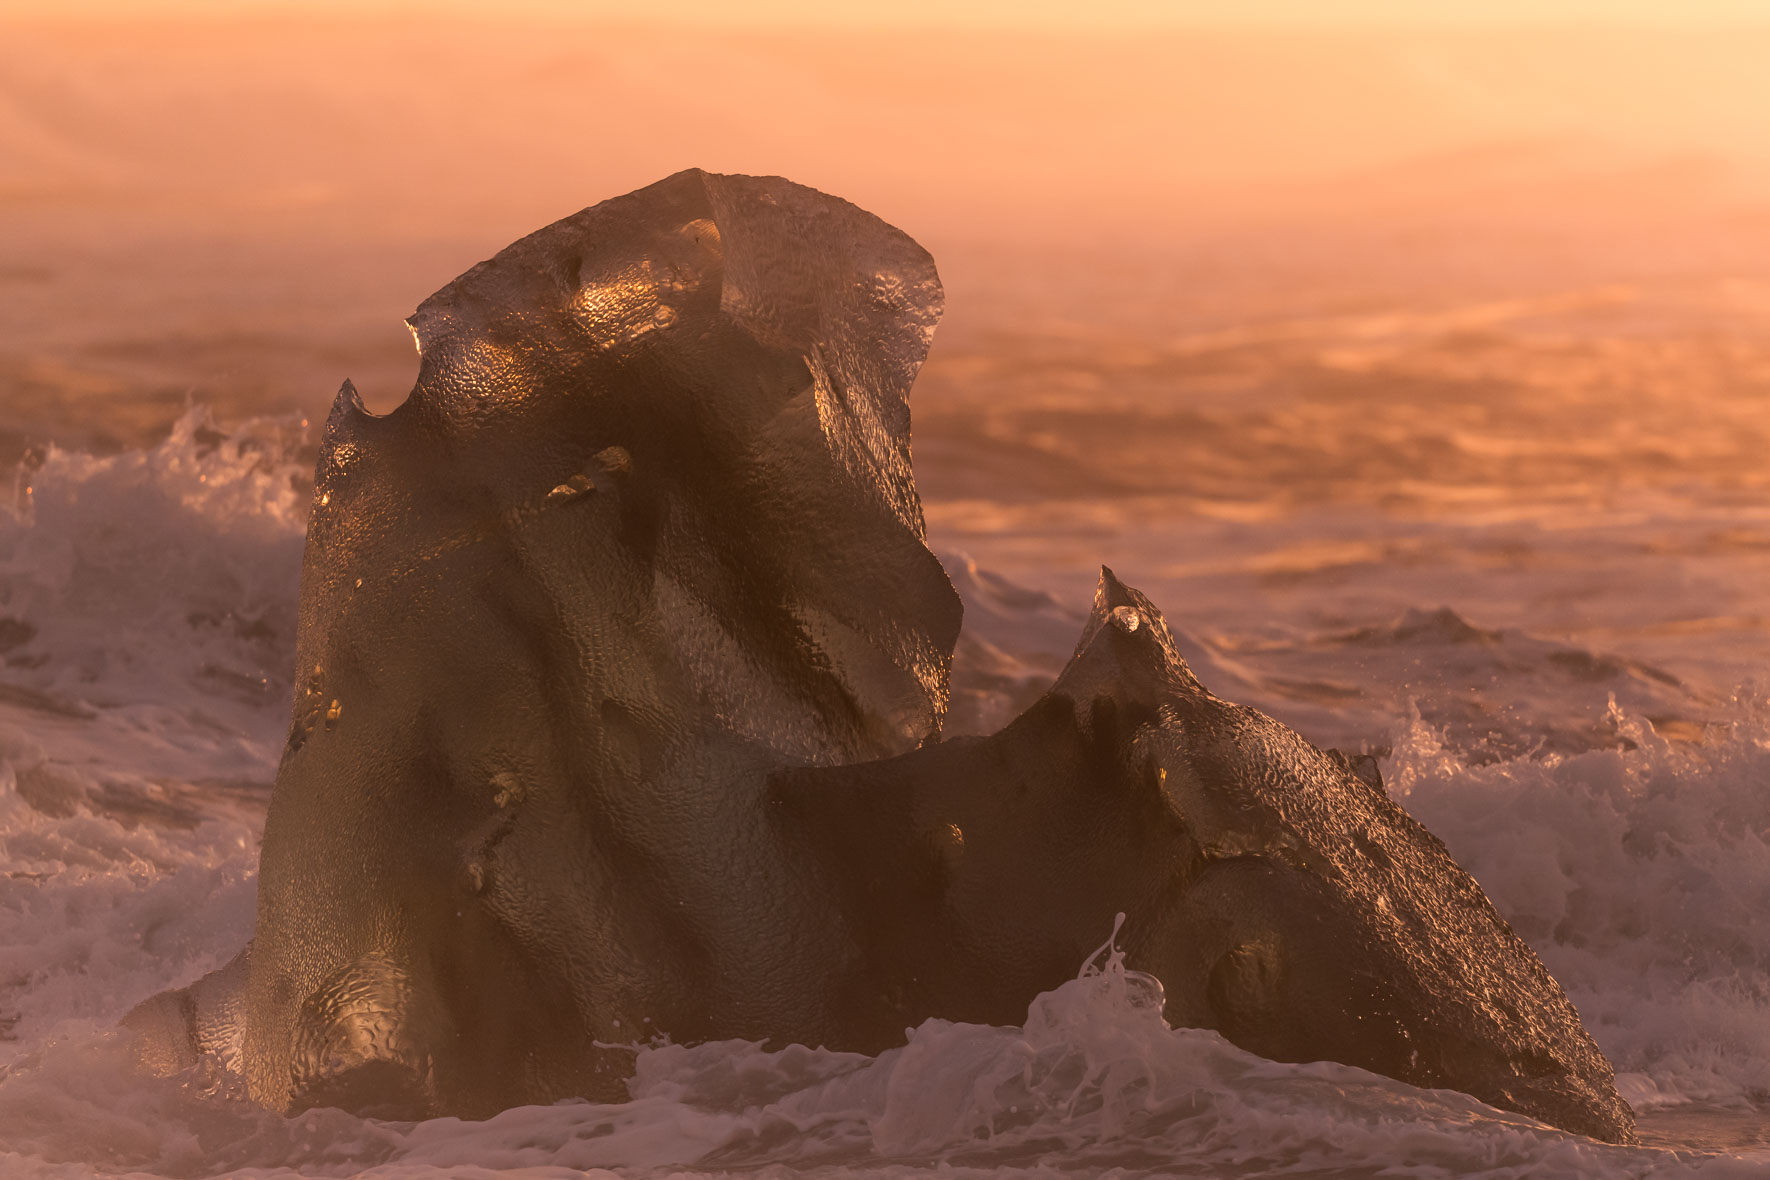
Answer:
[(1279, 894), (644, 529)]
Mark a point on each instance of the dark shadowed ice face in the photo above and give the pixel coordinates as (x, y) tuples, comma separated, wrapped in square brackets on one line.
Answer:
[(986, 870), (427, 877), (1278, 897), (644, 530)]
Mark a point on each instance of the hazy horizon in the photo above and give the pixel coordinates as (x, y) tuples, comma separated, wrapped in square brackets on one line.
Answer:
[(254, 203), (1002, 14)]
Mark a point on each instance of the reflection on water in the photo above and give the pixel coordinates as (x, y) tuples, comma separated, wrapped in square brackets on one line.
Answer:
[(1701, 1126), (1587, 468)]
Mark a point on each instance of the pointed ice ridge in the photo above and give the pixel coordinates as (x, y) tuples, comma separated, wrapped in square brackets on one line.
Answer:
[(347, 404), (1143, 643)]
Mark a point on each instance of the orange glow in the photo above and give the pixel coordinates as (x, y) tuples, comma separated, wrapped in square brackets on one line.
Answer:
[(361, 158), (421, 125), (1021, 14)]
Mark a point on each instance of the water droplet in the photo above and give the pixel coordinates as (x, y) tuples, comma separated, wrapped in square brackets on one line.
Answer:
[(325, 499), (359, 583), (577, 485), (1126, 618), (507, 789), (333, 711), (948, 844)]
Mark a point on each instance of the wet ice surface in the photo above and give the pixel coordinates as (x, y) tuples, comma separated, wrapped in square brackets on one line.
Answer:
[(1431, 576)]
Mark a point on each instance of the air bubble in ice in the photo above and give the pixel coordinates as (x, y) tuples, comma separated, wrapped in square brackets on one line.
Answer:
[(572, 488)]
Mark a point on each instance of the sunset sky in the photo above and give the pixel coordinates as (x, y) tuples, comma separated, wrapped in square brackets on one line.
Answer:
[(1103, 15), (324, 164)]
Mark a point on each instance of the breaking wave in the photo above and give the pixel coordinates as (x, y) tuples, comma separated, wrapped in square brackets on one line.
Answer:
[(163, 576), (1641, 875)]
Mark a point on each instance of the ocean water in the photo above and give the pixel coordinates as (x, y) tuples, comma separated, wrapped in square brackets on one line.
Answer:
[(1519, 549)]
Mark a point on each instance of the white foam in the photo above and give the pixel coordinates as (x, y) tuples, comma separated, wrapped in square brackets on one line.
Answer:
[(1093, 1081), (1641, 876), (160, 578)]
